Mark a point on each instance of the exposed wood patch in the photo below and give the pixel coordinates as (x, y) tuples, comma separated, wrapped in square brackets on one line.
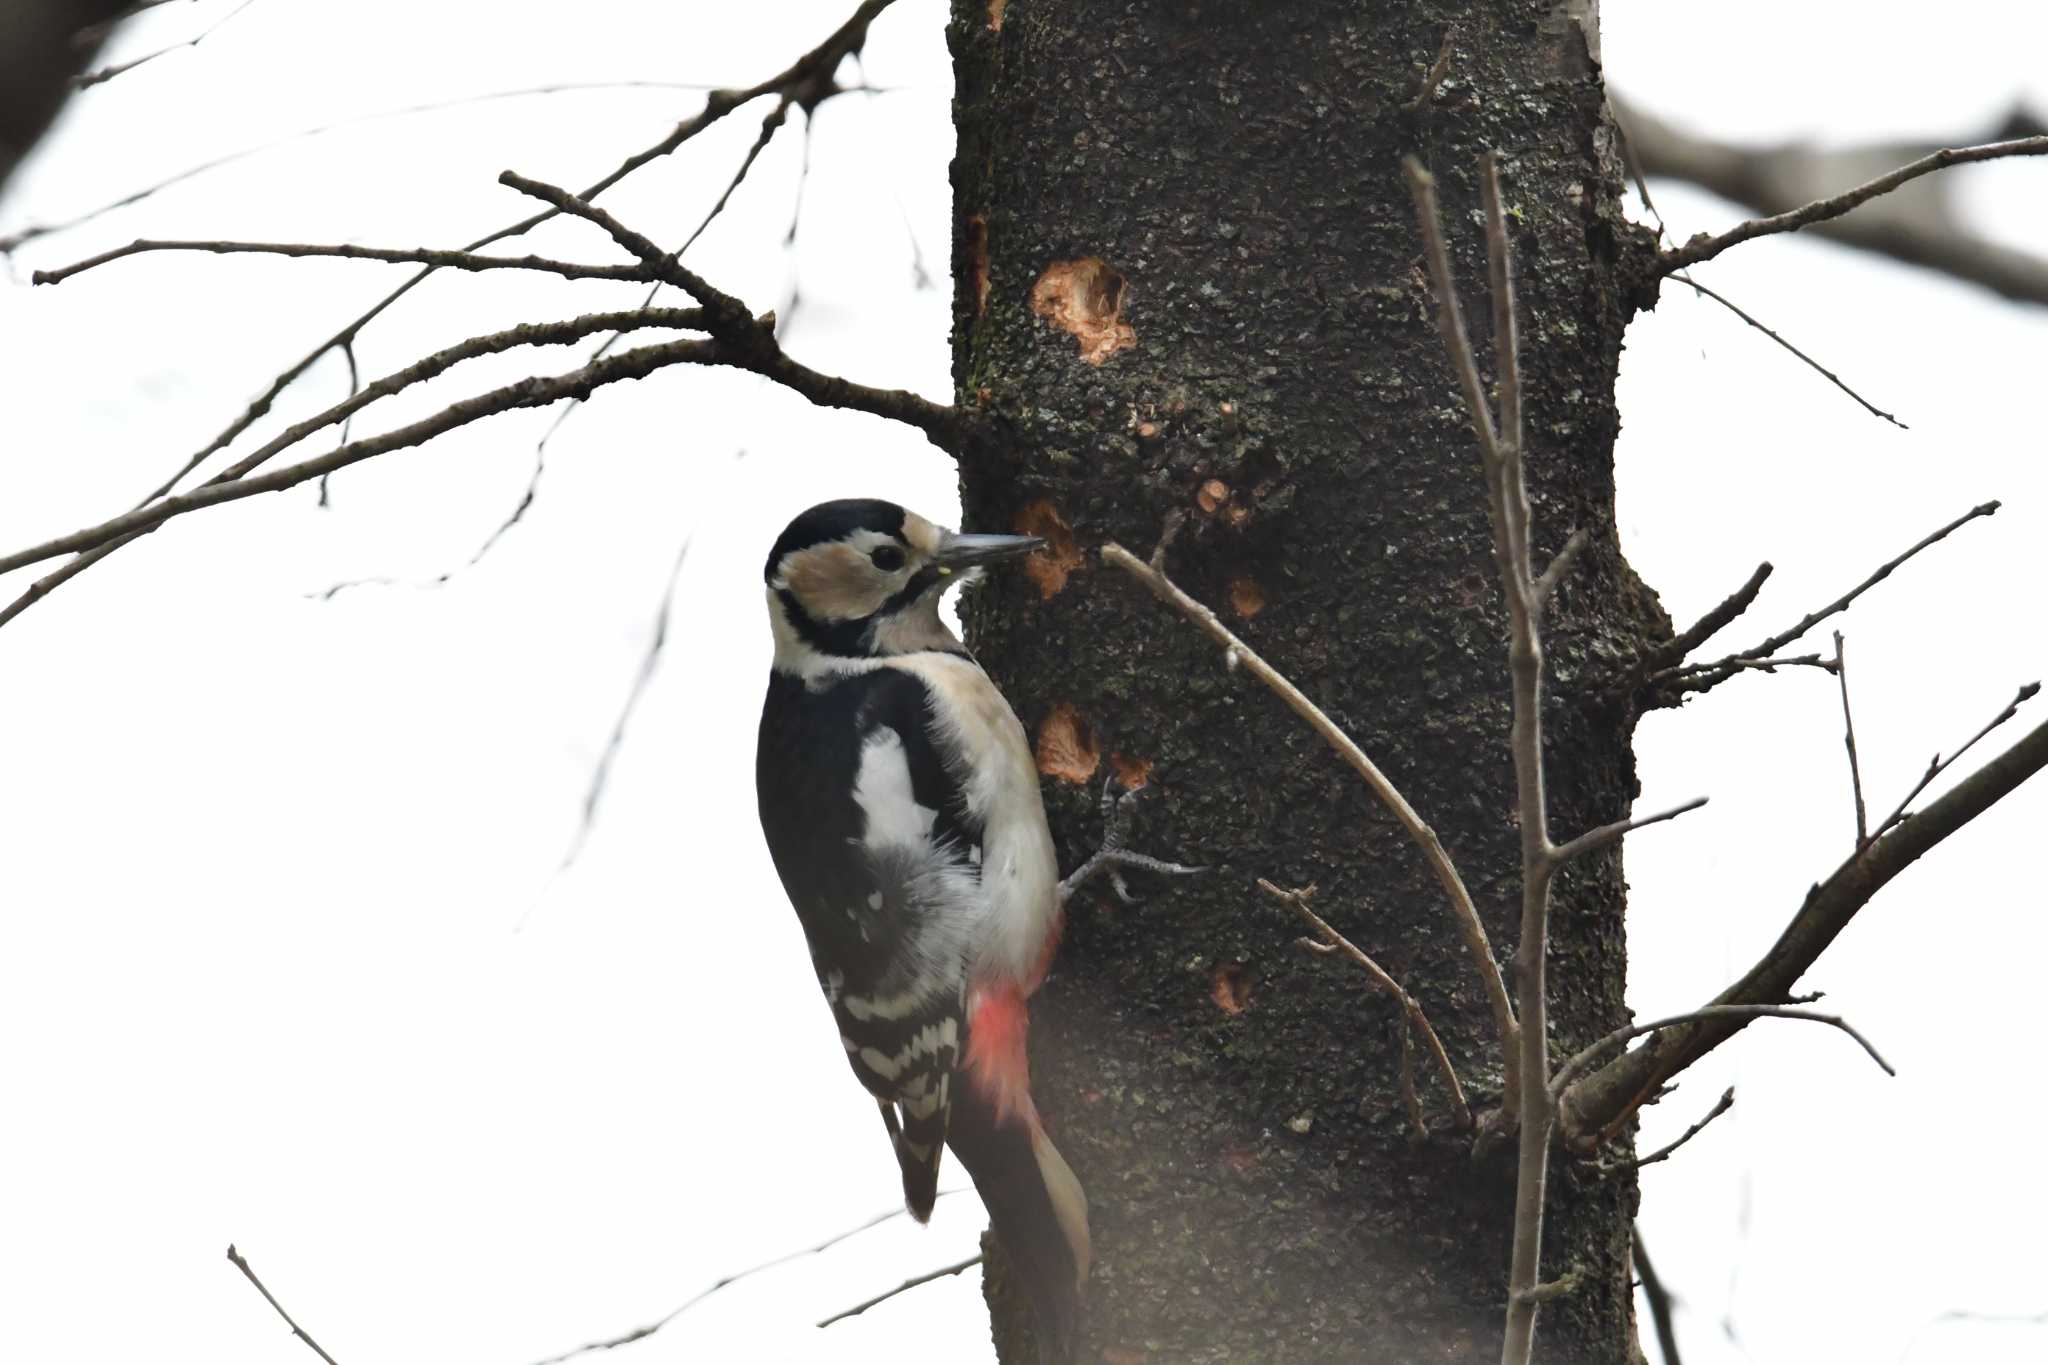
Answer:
[(1231, 988), (1049, 568), (1131, 773), (1247, 598), (1085, 298), (1066, 748), (977, 257)]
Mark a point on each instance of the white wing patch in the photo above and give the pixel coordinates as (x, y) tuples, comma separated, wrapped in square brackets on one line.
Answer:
[(883, 792)]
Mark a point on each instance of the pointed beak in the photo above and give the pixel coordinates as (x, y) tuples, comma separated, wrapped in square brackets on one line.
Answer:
[(958, 552)]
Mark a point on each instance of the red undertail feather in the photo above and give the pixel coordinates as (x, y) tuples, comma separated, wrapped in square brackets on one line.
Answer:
[(997, 1023), (1036, 1205)]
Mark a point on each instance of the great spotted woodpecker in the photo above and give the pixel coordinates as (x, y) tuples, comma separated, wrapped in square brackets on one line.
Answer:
[(901, 806)]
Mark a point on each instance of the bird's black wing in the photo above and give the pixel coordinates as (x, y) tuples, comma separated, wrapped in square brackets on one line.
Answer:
[(871, 834)]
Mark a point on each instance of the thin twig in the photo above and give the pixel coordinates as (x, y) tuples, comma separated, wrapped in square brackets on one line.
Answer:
[(769, 124), (1818, 368), (913, 1282), (1704, 247), (429, 367), (562, 199), (1546, 584), (1710, 674), (35, 231), (249, 1272), (600, 775), (808, 72), (1459, 900), (656, 263), (1606, 834), (1849, 741), (748, 346), (1721, 1106), (1938, 764), (1661, 1300), (1700, 677), (1635, 170), (1411, 1008), (1598, 1103), (1501, 462), (647, 1330), (107, 73), (1592, 1052), (447, 260), (1426, 87), (1450, 313)]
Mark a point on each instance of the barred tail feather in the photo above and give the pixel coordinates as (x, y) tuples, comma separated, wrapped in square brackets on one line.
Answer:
[(921, 1146)]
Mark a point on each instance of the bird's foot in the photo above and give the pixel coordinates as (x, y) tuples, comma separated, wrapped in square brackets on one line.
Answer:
[(1112, 857)]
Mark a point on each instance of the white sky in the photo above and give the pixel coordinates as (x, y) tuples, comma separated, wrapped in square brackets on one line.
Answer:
[(281, 959)]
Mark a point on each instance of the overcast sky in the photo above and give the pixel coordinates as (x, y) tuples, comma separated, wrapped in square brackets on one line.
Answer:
[(285, 958)]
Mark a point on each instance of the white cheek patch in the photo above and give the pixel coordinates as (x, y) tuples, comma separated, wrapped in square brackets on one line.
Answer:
[(883, 792)]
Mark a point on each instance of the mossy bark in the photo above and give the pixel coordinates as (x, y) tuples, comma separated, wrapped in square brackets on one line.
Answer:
[(1256, 1189)]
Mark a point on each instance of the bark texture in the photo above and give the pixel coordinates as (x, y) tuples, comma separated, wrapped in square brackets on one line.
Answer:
[(1188, 280)]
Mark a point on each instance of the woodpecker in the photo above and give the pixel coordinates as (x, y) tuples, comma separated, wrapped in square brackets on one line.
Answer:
[(901, 807)]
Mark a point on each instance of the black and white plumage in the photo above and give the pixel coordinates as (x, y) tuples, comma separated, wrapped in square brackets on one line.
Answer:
[(901, 806)]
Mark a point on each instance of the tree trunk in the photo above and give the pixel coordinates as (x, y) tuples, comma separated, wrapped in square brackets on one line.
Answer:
[(1189, 281)]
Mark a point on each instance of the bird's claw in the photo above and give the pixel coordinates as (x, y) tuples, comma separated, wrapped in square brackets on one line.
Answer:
[(1112, 856)]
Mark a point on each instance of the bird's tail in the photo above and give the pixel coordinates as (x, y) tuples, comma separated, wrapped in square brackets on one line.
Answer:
[(921, 1143), (1035, 1204)]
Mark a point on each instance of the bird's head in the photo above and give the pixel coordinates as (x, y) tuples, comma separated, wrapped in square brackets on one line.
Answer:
[(860, 578)]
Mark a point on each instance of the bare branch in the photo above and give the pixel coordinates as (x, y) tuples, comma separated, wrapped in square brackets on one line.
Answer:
[(647, 1330), (1812, 364), (1710, 675), (1703, 247), (1921, 225), (249, 1272), (449, 260), (1700, 677), (1939, 764), (600, 776), (1602, 1100), (1674, 650), (826, 390), (1661, 1300), (740, 341), (1635, 171), (1849, 741), (527, 334), (1450, 313), (1500, 275), (811, 74), (1546, 585), (1600, 838), (1463, 912), (1411, 1008), (1721, 1106), (913, 1282), (655, 263), (1591, 1053)]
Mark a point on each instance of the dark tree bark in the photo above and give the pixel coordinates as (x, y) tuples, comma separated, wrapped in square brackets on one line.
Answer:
[(1223, 180)]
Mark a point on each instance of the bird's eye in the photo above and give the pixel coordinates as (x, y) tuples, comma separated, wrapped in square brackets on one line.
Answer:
[(887, 558)]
